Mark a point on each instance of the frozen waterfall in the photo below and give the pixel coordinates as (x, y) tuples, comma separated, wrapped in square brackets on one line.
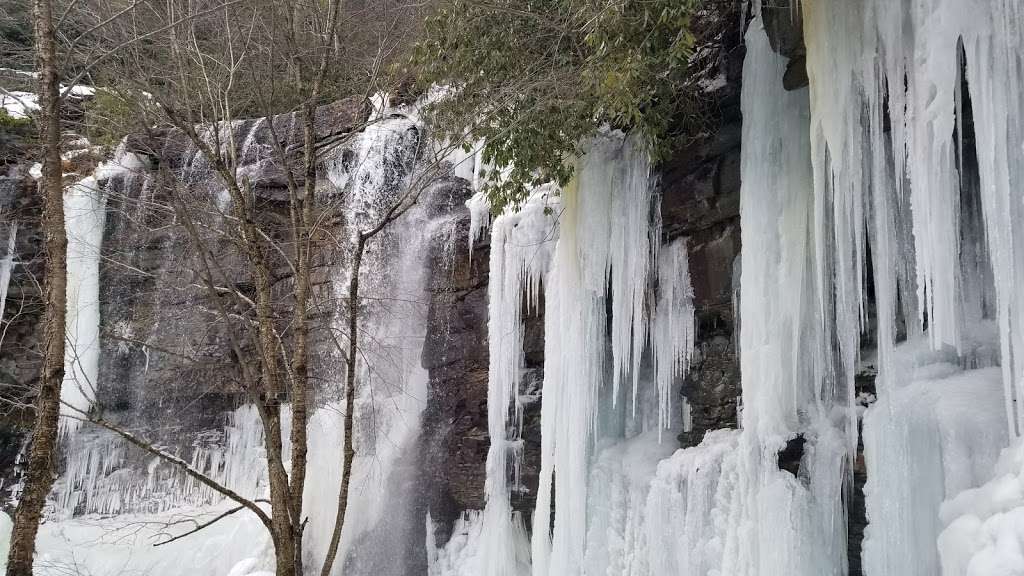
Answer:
[(882, 198), (604, 406), (84, 216), (881, 332), (7, 264), (97, 481)]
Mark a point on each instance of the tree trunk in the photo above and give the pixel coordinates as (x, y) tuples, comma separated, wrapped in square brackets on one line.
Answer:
[(302, 217), (283, 534), (39, 475), (348, 448)]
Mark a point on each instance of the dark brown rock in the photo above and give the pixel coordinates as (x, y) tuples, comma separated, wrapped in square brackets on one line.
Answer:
[(700, 187), (20, 330)]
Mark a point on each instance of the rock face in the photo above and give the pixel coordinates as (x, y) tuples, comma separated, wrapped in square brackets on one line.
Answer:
[(170, 362), (456, 357), (22, 329), (783, 21), (153, 297), (700, 188)]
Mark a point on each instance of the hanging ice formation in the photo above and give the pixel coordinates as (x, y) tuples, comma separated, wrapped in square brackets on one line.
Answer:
[(727, 506), (576, 250), (927, 138), (897, 181), (898, 167)]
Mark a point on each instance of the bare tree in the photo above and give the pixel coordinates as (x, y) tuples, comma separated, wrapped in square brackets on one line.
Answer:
[(39, 475), (188, 71)]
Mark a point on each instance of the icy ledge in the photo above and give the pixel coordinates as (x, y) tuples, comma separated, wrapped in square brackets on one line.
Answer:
[(985, 525)]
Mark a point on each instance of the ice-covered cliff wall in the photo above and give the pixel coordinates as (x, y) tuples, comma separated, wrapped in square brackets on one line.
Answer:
[(880, 211), (881, 231)]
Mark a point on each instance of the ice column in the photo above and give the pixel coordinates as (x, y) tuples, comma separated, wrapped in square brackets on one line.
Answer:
[(521, 249), (603, 251), (729, 506), (84, 217)]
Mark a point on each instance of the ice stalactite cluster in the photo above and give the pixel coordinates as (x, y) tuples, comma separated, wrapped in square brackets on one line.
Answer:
[(917, 139), (479, 217), (731, 505), (521, 252), (876, 172), (585, 251), (673, 329), (603, 252), (97, 477)]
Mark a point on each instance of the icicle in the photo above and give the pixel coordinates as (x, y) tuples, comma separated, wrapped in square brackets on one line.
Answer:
[(673, 329), (521, 245), (604, 251), (941, 244), (479, 217), (7, 264), (615, 242)]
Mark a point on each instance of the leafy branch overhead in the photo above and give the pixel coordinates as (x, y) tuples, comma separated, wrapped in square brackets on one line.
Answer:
[(534, 78)]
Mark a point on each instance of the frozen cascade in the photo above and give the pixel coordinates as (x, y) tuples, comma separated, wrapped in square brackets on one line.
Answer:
[(522, 243), (725, 506), (84, 220), (600, 441), (934, 197), (84, 217), (620, 503), (937, 433)]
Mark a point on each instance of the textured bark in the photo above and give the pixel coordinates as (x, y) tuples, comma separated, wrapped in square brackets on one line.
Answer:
[(39, 476)]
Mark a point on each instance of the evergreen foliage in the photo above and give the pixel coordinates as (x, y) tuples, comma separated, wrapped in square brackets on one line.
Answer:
[(534, 78)]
